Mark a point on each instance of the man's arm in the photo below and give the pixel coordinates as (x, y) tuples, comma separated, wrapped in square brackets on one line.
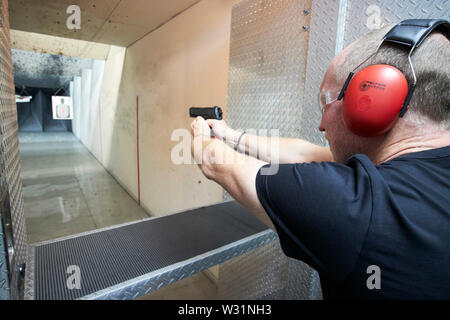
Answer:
[(239, 180), (289, 150), (237, 175)]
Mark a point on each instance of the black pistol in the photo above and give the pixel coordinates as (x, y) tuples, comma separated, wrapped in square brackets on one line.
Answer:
[(206, 113)]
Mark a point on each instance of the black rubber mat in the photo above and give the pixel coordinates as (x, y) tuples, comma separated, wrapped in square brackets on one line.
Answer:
[(107, 258)]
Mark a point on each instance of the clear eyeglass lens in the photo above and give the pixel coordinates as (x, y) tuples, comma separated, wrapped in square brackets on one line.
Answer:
[(326, 98), (321, 100)]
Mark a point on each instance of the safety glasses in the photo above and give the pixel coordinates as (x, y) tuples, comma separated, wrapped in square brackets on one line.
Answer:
[(327, 97)]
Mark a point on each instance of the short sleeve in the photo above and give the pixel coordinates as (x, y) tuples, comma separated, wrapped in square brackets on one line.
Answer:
[(321, 212)]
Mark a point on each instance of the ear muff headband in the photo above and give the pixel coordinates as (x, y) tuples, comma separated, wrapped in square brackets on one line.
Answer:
[(377, 94)]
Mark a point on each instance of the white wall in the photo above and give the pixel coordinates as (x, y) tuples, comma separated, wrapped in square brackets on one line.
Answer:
[(94, 136), (109, 92), (76, 100), (183, 63), (86, 96)]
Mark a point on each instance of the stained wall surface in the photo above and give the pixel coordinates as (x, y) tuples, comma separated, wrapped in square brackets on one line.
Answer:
[(43, 70)]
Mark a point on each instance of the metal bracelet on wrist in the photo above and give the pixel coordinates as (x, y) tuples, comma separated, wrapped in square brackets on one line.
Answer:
[(236, 147)]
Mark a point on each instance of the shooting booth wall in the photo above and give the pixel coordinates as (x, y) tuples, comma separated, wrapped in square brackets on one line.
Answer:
[(12, 223)]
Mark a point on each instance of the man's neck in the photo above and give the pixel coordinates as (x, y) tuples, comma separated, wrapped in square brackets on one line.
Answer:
[(401, 143)]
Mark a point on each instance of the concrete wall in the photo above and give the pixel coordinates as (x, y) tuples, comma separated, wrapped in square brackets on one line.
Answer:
[(183, 63)]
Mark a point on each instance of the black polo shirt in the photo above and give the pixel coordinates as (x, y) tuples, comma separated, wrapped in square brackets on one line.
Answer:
[(356, 221)]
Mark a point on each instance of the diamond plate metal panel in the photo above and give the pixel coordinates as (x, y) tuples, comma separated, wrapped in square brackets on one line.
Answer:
[(4, 281), (303, 282), (267, 65), (363, 16), (266, 90), (259, 274), (28, 291), (9, 151), (266, 273), (321, 51)]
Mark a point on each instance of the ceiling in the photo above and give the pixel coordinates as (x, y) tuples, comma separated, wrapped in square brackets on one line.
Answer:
[(114, 22), (42, 43)]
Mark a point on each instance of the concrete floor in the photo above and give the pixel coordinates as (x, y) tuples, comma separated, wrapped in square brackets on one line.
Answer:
[(66, 190)]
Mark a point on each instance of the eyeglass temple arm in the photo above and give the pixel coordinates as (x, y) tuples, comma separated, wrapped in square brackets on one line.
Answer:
[(411, 88)]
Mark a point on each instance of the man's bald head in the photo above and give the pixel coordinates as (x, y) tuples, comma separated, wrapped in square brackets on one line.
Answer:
[(430, 106), (431, 98)]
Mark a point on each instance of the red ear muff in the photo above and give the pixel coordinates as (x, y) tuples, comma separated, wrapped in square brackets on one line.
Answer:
[(373, 100)]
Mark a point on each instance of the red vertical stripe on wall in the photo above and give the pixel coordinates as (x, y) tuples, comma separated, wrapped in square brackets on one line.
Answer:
[(137, 149)]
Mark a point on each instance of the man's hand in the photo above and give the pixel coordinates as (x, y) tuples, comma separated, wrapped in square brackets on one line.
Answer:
[(237, 176), (203, 147), (221, 130), (201, 136), (199, 127)]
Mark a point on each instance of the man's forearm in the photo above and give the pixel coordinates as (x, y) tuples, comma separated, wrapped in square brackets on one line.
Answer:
[(284, 150), (238, 178)]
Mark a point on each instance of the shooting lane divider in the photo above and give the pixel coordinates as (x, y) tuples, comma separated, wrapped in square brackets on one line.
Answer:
[(100, 134)]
